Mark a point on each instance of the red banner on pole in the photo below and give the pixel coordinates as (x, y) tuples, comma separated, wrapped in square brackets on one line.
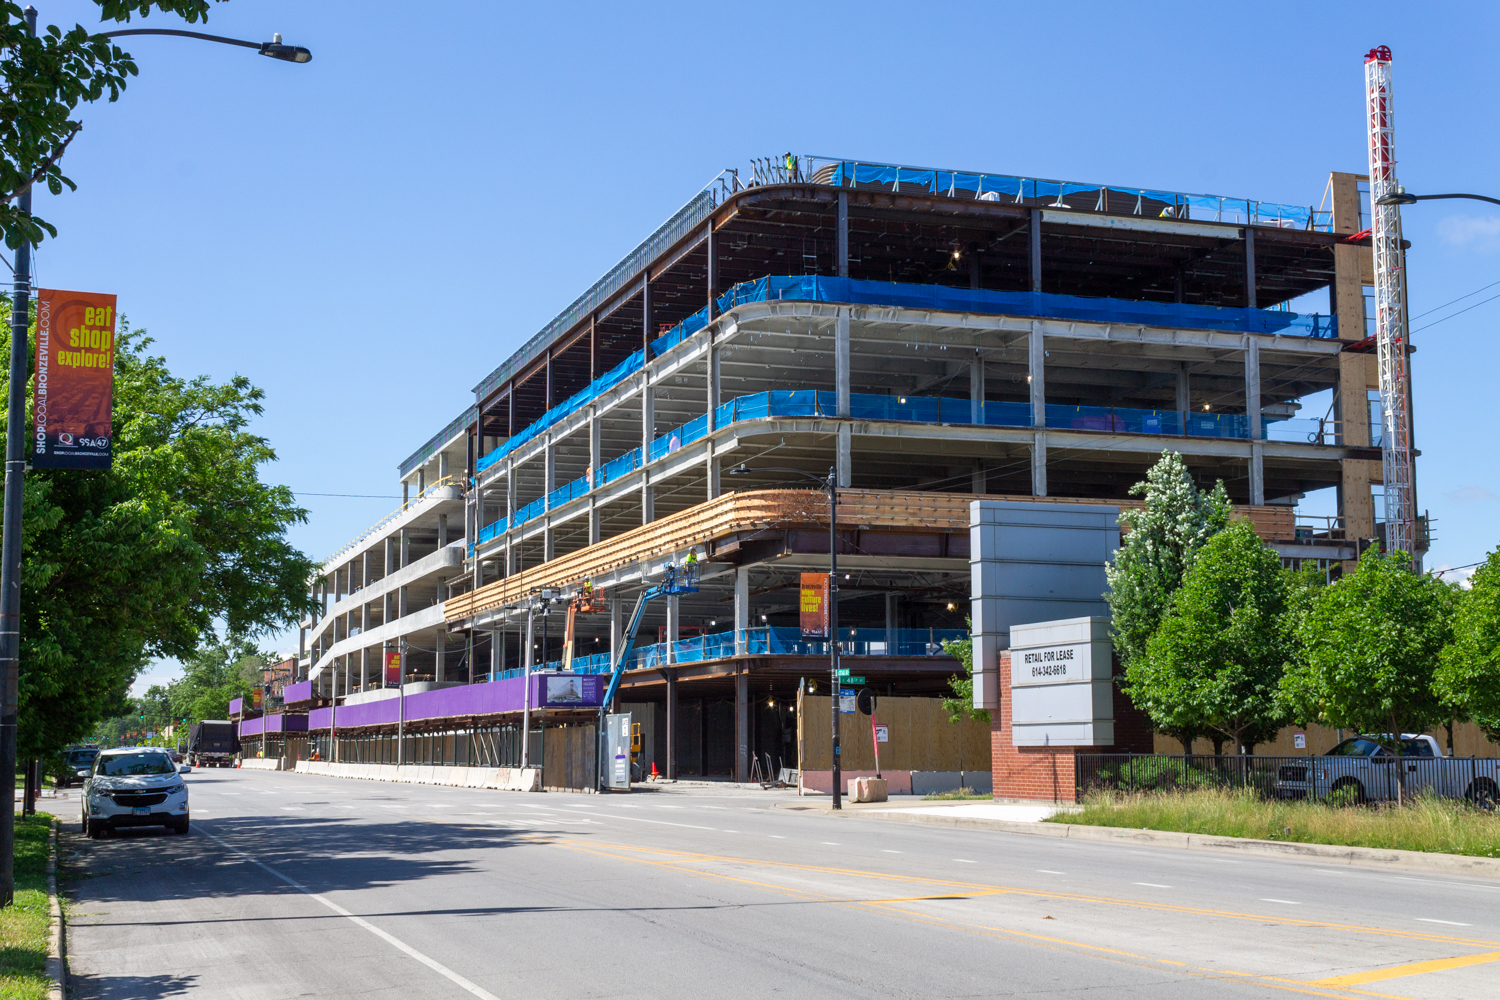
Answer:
[(392, 668), (75, 380), (814, 605)]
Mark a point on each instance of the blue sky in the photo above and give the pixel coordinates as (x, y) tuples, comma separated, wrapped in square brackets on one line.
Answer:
[(367, 235)]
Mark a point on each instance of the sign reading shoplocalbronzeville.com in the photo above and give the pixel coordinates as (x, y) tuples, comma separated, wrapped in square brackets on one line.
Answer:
[(74, 387)]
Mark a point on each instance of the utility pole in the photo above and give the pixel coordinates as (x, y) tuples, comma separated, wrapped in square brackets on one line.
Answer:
[(10, 549), (833, 626)]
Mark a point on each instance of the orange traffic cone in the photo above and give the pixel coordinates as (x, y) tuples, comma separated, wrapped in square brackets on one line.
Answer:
[(654, 775)]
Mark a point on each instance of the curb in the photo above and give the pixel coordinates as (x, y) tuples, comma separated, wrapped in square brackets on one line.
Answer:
[(1413, 861), (57, 938)]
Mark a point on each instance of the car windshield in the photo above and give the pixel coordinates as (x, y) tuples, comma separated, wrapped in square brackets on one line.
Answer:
[(116, 765), (1355, 746), (83, 757)]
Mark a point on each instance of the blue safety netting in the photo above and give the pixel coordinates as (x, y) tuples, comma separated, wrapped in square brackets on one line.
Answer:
[(571, 405), (680, 332), (815, 288)]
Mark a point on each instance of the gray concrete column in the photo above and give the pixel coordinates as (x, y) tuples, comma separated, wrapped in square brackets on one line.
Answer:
[(1250, 267), (671, 676), (1034, 255), (741, 609), (890, 622), (1252, 418), (405, 548), (845, 458), (528, 652), (841, 361), (443, 472), (979, 479), (615, 627), (742, 724), (841, 235), (673, 624), (1037, 375), (976, 389), (594, 463), (497, 652), (648, 432), (440, 657), (364, 667), (442, 531), (1184, 399)]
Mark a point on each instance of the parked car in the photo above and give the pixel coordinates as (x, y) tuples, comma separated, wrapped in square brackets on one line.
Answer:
[(134, 786), (75, 759), (1361, 769)]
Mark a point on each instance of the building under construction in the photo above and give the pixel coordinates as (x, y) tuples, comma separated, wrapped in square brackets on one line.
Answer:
[(924, 336)]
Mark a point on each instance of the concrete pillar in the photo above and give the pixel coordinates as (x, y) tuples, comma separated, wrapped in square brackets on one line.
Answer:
[(845, 456), (405, 548), (979, 480), (616, 639), (673, 624), (594, 461), (443, 472), (1034, 256), (442, 531), (497, 652), (364, 667), (841, 361), (711, 460), (741, 609), (528, 651), (890, 622), (405, 494), (976, 389), (671, 675), (648, 432), (742, 724), (440, 661), (1252, 413), (841, 235), (1184, 399), (1250, 267), (1037, 369)]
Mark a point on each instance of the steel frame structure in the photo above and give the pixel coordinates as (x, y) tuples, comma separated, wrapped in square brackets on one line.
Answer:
[(1390, 310)]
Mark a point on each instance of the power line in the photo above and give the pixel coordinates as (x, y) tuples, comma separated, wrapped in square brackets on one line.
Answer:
[(1476, 305), (1445, 305)]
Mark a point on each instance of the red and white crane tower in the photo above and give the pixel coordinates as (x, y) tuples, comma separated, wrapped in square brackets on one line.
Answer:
[(1390, 311)]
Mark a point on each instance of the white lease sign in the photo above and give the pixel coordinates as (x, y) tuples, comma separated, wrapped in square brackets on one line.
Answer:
[(1061, 686)]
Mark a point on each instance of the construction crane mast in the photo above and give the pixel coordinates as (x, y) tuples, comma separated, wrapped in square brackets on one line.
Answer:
[(1390, 311)]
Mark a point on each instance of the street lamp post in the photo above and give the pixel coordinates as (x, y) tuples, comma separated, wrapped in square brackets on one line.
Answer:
[(15, 470), (1402, 197), (830, 484)]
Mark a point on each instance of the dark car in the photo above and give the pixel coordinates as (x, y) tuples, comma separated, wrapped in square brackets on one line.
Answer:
[(75, 760)]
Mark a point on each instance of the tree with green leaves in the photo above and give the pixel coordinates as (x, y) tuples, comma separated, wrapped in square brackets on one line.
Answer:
[(1469, 676), (154, 557), (1159, 544), (1217, 657), (961, 705), (212, 677), (46, 77), (1370, 646)]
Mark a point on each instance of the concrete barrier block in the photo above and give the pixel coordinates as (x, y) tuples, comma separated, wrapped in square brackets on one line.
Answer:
[(868, 790)]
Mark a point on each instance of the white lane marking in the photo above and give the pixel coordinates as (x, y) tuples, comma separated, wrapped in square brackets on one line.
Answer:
[(1450, 923), (885, 850), (390, 939), (1154, 885), (965, 861), (660, 822), (714, 807), (295, 809), (777, 836), (1049, 871), (439, 805), (1288, 902), (829, 843), (729, 831)]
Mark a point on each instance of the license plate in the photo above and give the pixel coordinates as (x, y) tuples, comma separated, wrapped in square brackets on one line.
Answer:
[(142, 810)]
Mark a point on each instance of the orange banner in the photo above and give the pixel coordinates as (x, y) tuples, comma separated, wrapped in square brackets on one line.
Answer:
[(392, 668), (75, 379), (814, 605)]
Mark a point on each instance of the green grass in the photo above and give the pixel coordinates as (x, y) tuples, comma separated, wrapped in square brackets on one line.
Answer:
[(957, 793), (23, 927), (1446, 826)]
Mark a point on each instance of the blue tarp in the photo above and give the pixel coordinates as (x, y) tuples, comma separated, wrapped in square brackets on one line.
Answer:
[(814, 288)]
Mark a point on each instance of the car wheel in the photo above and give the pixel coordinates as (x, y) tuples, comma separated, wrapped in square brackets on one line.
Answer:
[(1350, 788), (180, 827), (96, 829), (1483, 793)]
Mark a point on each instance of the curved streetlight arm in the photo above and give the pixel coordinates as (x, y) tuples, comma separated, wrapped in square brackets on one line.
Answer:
[(275, 49), (1401, 197)]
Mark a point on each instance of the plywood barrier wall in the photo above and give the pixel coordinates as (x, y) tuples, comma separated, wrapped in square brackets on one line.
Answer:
[(1468, 741), (921, 737)]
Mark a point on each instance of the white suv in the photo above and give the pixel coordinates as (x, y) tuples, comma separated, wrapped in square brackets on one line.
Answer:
[(134, 786)]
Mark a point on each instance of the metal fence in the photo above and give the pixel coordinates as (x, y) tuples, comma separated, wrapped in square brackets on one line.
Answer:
[(1355, 779)]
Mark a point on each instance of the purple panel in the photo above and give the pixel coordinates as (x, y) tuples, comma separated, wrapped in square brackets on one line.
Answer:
[(293, 693), (234, 705), (318, 718), (286, 723), (549, 690), (252, 727)]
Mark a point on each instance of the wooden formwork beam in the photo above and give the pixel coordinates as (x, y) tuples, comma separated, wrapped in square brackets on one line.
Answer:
[(756, 510)]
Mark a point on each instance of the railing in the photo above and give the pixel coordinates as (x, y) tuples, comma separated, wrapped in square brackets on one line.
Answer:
[(1312, 529), (412, 502), (1070, 195)]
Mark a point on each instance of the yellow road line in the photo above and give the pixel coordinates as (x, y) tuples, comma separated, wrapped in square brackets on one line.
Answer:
[(1412, 969)]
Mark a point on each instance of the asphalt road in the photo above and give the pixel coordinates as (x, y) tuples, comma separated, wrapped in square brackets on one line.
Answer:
[(293, 886)]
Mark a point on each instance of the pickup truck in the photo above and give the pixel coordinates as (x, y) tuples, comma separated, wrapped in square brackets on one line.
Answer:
[(1364, 770)]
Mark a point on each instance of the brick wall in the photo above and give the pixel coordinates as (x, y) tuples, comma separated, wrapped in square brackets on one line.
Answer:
[(1050, 773)]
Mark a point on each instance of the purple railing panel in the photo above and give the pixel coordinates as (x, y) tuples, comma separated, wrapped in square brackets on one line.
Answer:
[(235, 704), (293, 693), (318, 718), (547, 691), (252, 727)]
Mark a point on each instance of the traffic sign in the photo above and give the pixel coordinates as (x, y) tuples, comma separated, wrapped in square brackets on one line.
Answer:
[(851, 680), (842, 672)]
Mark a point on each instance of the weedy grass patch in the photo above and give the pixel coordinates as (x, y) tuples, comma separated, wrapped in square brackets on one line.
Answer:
[(23, 926), (1424, 823)]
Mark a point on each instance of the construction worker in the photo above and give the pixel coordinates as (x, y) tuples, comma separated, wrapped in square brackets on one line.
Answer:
[(791, 168)]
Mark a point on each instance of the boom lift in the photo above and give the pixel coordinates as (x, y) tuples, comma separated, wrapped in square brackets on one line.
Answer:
[(586, 601), (676, 579)]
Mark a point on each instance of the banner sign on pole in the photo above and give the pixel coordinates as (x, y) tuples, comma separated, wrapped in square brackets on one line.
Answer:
[(814, 605), (392, 668), (75, 379)]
